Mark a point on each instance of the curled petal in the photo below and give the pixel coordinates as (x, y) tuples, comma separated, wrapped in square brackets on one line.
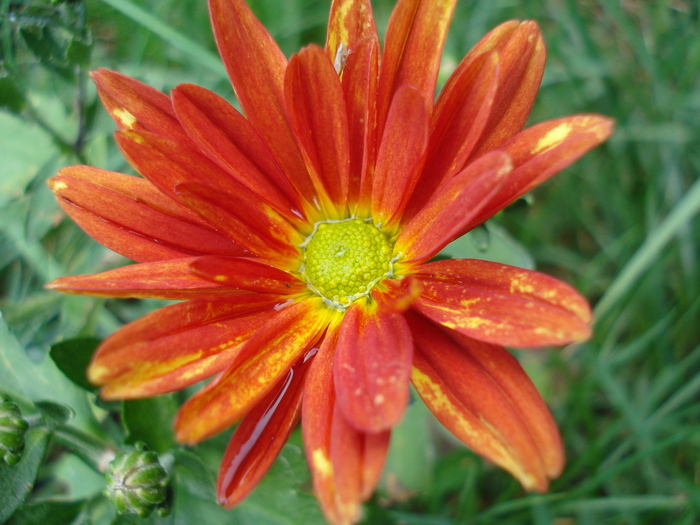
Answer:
[(543, 150), (260, 364), (345, 462), (372, 368), (256, 67), (245, 274), (521, 58), (130, 216), (349, 22), (226, 137), (498, 414), (260, 436), (178, 345), (317, 111), (455, 205), (502, 304), (170, 279), (136, 106)]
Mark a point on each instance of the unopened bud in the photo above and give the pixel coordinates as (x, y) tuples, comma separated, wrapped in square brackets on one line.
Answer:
[(137, 483), (12, 430)]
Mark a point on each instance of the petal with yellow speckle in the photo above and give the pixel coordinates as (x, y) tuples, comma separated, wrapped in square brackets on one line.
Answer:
[(501, 304)]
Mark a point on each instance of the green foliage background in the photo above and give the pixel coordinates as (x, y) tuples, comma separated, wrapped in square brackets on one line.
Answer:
[(621, 225)]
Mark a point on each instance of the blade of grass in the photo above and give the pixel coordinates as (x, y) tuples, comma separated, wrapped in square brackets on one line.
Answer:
[(658, 238), (200, 54)]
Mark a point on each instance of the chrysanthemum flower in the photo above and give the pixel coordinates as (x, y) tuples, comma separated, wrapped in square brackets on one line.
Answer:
[(299, 236)]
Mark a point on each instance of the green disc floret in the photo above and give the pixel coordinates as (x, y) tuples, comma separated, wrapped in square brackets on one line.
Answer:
[(343, 260)]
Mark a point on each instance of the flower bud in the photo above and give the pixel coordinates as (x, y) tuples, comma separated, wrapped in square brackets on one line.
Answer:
[(12, 430), (137, 483)]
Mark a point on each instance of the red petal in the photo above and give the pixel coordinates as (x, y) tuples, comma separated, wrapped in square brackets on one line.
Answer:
[(167, 162), (401, 154), (130, 216), (136, 106), (480, 408), (161, 280), (502, 304), (414, 40), (461, 114), (455, 205), (227, 138), (318, 406), (372, 368), (512, 379), (260, 436), (261, 363), (178, 345), (252, 224), (317, 112), (256, 67), (360, 79), (543, 150), (246, 274)]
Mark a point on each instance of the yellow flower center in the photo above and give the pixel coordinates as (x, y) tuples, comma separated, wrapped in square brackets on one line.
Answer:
[(343, 260)]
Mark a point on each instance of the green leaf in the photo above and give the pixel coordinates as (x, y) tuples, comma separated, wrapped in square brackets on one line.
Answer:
[(73, 356), (47, 513), (54, 414), (16, 482), (278, 498), (11, 96), (78, 52), (151, 421), (47, 49), (490, 242), (411, 457), (40, 381)]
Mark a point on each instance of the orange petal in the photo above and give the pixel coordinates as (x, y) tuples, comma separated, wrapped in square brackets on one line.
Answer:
[(543, 150), (455, 204), (360, 78), (345, 462), (252, 224), (226, 137), (482, 408), (130, 216), (256, 67), (349, 22), (522, 57), (317, 112), (502, 304), (136, 106), (401, 154), (178, 345), (171, 279), (461, 114), (372, 368), (414, 40), (265, 358), (245, 274), (260, 436)]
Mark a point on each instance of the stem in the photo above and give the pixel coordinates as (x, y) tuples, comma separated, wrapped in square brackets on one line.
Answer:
[(96, 453)]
